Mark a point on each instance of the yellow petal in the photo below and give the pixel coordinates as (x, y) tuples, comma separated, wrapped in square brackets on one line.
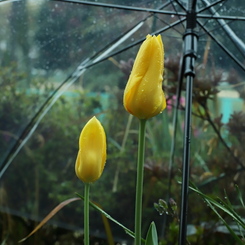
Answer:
[(91, 156), (143, 95)]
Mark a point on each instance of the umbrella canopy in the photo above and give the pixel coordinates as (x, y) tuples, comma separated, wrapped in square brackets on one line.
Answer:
[(64, 61)]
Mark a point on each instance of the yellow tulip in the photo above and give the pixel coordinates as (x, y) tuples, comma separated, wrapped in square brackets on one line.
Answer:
[(143, 95), (92, 152)]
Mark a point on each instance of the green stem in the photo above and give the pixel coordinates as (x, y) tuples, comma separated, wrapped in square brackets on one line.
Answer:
[(139, 182), (86, 213)]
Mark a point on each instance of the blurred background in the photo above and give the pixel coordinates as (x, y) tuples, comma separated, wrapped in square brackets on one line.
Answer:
[(63, 62)]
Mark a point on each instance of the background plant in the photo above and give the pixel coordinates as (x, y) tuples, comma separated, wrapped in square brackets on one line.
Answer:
[(42, 174)]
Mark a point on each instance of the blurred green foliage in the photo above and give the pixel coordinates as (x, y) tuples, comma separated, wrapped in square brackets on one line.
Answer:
[(42, 175)]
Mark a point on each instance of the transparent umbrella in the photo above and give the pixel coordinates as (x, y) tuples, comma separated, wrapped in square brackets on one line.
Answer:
[(64, 61)]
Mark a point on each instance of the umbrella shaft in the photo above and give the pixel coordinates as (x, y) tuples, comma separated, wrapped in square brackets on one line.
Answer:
[(190, 49), (186, 162)]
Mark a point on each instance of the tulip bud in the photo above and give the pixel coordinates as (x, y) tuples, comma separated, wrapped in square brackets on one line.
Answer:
[(143, 95), (92, 152)]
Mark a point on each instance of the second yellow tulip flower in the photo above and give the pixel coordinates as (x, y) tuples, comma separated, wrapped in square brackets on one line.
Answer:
[(92, 152)]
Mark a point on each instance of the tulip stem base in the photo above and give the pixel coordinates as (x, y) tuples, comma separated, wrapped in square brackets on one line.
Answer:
[(86, 213), (139, 182)]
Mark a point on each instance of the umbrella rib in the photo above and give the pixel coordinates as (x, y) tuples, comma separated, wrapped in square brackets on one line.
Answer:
[(211, 9), (175, 10), (181, 5), (123, 7), (210, 30), (222, 46), (215, 14), (136, 43), (230, 33), (168, 24), (210, 6), (156, 16), (222, 17), (207, 16)]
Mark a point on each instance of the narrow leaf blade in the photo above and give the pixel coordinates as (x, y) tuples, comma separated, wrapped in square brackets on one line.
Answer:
[(152, 238), (50, 215)]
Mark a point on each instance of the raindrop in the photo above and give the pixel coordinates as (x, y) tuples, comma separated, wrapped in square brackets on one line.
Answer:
[(132, 39), (172, 15)]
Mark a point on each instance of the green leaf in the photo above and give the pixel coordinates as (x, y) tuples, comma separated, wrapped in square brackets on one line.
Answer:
[(240, 196), (129, 232), (213, 204), (220, 205), (151, 238)]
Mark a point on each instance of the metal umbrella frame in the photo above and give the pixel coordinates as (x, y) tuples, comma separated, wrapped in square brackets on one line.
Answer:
[(193, 17)]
